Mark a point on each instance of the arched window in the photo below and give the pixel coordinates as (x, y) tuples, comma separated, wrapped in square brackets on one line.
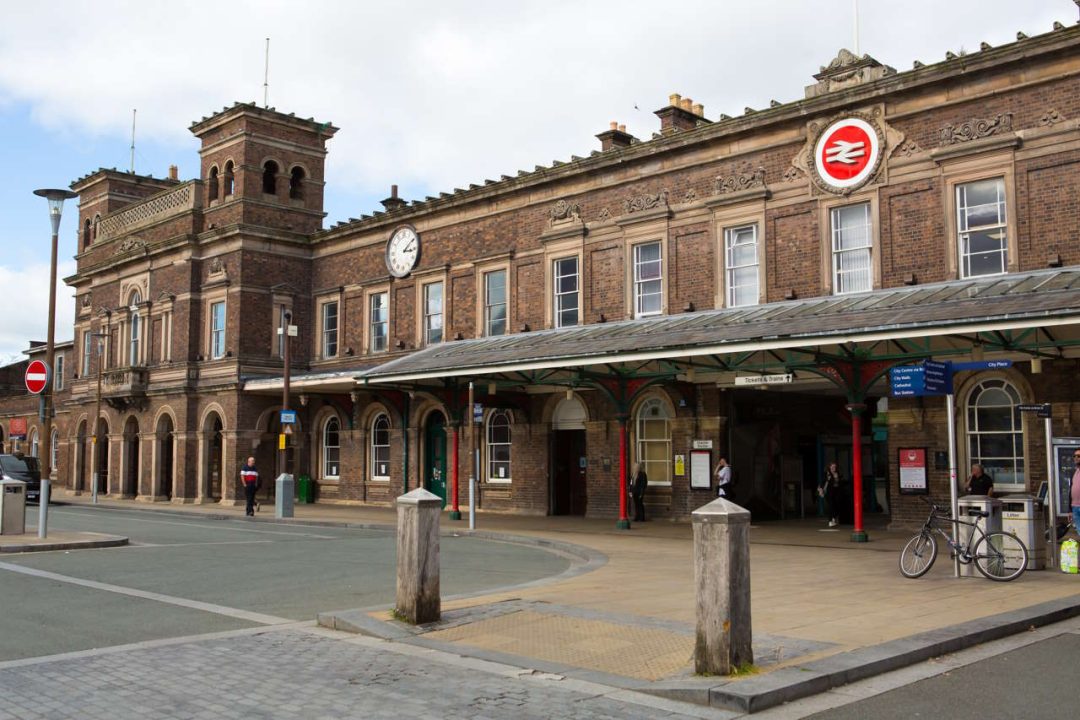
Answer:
[(54, 450), (228, 181), (212, 184), (136, 328), (296, 183), (270, 172), (995, 432), (95, 228), (498, 440), (654, 441), (86, 233), (34, 443), (331, 448), (380, 448)]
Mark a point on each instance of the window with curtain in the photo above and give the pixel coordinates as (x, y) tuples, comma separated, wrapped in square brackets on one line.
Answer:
[(851, 246)]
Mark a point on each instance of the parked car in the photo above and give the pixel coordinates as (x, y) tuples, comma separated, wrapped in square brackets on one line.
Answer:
[(25, 468)]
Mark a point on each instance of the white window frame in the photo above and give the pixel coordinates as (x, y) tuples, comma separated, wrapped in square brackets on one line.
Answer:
[(54, 451), (58, 374), (491, 447), (654, 285), (375, 322), (429, 315), (331, 469), (558, 296), (217, 334), (87, 350), (380, 452), (974, 435), (732, 242), (839, 253), (489, 306), (964, 231), (32, 445), (644, 415), (330, 335)]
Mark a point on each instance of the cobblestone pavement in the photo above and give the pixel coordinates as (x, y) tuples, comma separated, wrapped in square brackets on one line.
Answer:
[(303, 672)]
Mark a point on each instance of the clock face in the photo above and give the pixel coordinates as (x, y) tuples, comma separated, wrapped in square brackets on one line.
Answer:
[(402, 251)]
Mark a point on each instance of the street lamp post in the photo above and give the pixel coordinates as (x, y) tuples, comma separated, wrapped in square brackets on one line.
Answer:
[(56, 200), (284, 484)]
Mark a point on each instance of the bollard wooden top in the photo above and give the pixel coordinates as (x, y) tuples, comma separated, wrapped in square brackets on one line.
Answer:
[(419, 496), (721, 512)]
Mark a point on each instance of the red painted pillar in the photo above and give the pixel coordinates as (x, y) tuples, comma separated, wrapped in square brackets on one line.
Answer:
[(856, 409), (455, 511), (624, 520)]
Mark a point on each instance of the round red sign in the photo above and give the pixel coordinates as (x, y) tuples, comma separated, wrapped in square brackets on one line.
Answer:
[(847, 153), (37, 376)]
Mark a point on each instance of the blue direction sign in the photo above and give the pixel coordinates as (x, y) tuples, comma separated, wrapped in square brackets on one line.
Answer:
[(938, 377), (907, 380), (981, 365), (288, 417)]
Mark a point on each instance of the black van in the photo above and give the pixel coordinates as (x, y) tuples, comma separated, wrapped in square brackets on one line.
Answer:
[(25, 468)]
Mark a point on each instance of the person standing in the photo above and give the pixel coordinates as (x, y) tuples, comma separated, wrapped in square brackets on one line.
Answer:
[(639, 480), (829, 490), (979, 483), (249, 475), (1074, 491), (723, 478)]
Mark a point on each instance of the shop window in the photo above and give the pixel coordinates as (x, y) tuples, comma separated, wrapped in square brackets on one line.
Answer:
[(654, 441), (269, 178), (296, 184), (380, 321), (648, 280), (217, 330), (980, 210), (495, 303), (433, 313), (851, 245), (741, 265), (329, 330), (331, 448), (380, 448), (228, 180), (566, 284), (498, 446), (995, 432)]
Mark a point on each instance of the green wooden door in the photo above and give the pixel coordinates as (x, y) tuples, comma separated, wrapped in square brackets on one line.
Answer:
[(435, 455)]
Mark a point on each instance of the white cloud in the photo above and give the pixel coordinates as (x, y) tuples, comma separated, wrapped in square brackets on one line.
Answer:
[(27, 307)]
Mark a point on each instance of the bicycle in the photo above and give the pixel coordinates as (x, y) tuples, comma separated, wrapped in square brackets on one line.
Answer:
[(997, 555)]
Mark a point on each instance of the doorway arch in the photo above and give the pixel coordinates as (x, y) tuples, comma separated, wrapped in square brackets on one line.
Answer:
[(166, 453), (130, 484), (213, 436), (81, 465), (101, 455), (434, 454), (569, 489)]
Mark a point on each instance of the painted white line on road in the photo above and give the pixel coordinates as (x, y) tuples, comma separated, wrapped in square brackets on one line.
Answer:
[(127, 514), (198, 544), (145, 595)]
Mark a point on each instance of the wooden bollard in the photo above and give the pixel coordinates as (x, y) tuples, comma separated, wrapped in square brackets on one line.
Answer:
[(722, 579), (418, 598)]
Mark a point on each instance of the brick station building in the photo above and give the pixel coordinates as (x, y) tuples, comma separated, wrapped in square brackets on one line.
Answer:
[(734, 286)]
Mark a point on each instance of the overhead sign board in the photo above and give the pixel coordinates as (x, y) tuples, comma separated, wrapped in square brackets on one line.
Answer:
[(763, 379), (478, 412), (37, 377), (937, 377), (1043, 409), (907, 380), (982, 365), (288, 417)]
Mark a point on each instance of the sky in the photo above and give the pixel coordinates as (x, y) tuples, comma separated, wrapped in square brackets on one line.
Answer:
[(430, 95)]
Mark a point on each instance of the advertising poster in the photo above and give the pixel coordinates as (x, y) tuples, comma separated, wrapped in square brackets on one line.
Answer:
[(913, 471)]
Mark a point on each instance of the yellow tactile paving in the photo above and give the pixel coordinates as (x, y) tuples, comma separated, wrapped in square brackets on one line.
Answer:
[(637, 652)]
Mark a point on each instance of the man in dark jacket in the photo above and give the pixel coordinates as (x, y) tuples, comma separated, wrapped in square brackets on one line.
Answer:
[(638, 482), (250, 477)]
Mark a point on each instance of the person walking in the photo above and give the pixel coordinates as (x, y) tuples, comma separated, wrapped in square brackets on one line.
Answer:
[(979, 483), (723, 478), (829, 491), (639, 480), (249, 475)]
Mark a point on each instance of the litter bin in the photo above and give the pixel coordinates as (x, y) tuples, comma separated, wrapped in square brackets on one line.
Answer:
[(1023, 515), (991, 523), (305, 489), (12, 507)]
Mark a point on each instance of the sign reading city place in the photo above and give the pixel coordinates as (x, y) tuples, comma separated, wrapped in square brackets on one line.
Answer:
[(847, 154), (37, 377), (763, 379)]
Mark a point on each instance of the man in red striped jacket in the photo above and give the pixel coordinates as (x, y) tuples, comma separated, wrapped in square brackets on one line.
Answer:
[(250, 477)]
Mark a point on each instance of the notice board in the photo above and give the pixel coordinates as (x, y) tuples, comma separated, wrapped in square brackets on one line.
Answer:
[(699, 470)]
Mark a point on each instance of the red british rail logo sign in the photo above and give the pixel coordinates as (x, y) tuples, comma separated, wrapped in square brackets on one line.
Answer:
[(37, 376), (847, 154)]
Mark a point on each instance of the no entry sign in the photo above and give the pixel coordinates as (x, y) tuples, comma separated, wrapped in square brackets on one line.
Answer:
[(847, 153), (37, 377)]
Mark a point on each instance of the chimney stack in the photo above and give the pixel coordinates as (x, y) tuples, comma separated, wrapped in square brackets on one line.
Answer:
[(393, 202), (615, 137), (174, 172), (680, 114)]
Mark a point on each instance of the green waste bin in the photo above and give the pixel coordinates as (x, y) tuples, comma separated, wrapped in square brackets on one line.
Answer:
[(305, 489)]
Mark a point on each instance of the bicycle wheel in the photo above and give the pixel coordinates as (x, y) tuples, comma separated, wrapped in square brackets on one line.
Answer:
[(918, 555), (1000, 556)]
